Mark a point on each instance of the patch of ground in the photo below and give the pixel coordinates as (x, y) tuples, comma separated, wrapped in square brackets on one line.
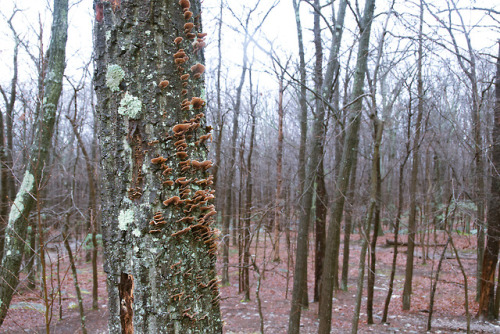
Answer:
[(27, 309)]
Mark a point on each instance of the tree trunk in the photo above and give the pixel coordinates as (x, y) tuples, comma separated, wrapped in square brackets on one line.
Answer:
[(279, 179), (330, 78), (232, 166), (407, 289), (65, 237), (350, 148), (486, 301), (248, 206), (321, 194), (15, 234), (361, 267), (158, 241), (89, 166), (300, 273), (7, 177), (376, 194), (396, 235), (348, 224)]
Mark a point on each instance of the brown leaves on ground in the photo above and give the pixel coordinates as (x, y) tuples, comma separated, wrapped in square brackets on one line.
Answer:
[(27, 309)]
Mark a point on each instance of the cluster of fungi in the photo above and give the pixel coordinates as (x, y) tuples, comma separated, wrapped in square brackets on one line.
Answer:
[(189, 181)]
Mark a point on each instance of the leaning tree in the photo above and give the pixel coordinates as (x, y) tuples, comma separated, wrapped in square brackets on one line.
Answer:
[(157, 203)]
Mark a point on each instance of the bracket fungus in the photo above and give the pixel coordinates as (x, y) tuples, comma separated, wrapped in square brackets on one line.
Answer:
[(184, 4), (201, 165), (168, 183), (175, 200), (197, 70), (163, 84), (181, 128), (188, 26), (158, 160), (197, 102)]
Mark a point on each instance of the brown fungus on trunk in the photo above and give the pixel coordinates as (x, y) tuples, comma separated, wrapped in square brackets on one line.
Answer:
[(158, 160), (185, 4), (197, 102), (181, 129), (188, 26), (168, 183), (175, 200)]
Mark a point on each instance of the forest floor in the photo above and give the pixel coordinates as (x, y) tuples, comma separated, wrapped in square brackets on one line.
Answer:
[(26, 314)]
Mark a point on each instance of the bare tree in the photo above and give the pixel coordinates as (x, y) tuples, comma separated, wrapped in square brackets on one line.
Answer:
[(160, 247), (486, 301), (349, 149), (17, 225)]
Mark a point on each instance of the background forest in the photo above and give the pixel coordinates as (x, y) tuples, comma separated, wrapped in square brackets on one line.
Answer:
[(353, 156)]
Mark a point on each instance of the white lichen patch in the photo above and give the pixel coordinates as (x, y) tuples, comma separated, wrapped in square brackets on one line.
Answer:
[(18, 206), (136, 249), (130, 106), (125, 218), (136, 232), (114, 75)]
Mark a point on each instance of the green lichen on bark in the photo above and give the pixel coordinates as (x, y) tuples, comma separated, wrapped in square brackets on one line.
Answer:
[(125, 219), (114, 76), (130, 106), (18, 206)]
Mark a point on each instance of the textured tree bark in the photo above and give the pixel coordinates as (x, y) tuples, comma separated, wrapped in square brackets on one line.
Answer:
[(486, 301), (228, 205), (350, 148), (407, 289), (158, 242), (279, 179), (15, 233), (376, 197), (321, 194), (318, 134), (333, 237), (300, 276), (348, 224), (7, 178), (248, 203)]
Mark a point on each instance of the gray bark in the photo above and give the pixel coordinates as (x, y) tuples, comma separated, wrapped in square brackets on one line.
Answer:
[(7, 178), (318, 134), (350, 149), (158, 241), (407, 289), (15, 233), (232, 167)]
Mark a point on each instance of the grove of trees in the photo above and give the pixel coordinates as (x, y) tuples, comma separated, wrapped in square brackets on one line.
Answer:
[(189, 150)]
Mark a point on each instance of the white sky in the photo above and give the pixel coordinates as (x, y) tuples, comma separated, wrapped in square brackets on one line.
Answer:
[(279, 27)]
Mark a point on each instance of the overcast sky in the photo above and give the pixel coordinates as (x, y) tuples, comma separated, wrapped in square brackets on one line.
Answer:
[(279, 28)]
